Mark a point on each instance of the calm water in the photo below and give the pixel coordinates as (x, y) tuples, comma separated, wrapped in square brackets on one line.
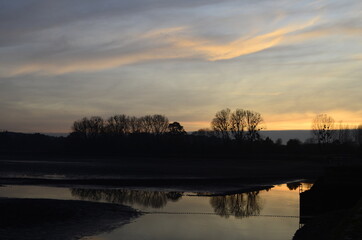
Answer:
[(267, 214)]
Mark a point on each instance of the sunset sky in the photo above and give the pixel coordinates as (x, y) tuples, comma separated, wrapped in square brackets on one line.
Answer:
[(287, 59)]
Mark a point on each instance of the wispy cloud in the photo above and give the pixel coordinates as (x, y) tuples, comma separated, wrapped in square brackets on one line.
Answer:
[(92, 64), (169, 43), (242, 46)]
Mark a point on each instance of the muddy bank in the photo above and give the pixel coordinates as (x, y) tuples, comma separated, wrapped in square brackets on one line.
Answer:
[(136, 168), (40, 219), (208, 175)]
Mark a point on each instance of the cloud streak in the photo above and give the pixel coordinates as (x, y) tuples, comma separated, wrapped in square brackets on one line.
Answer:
[(165, 44)]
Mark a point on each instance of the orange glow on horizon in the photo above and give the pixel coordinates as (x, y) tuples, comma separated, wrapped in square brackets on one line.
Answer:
[(274, 122)]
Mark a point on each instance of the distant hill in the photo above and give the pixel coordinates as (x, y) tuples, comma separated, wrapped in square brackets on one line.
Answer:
[(28, 142), (285, 135)]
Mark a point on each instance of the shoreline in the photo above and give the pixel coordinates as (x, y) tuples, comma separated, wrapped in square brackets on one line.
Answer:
[(211, 186), (202, 175)]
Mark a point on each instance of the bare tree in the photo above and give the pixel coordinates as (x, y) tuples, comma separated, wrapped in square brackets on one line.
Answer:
[(221, 123), (89, 128), (238, 124), (159, 124), (358, 135), (96, 126), (146, 124), (253, 122), (156, 124), (81, 127), (118, 124), (323, 128), (135, 125), (343, 134)]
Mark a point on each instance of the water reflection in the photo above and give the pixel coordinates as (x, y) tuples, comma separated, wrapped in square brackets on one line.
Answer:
[(303, 186), (293, 185), (154, 199), (239, 205)]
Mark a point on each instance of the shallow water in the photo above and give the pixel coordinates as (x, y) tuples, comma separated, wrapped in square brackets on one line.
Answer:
[(266, 214)]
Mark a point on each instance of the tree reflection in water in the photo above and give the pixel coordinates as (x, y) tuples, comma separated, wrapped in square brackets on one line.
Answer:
[(293, 185), (301, 185), (154, 199), (239, 205)]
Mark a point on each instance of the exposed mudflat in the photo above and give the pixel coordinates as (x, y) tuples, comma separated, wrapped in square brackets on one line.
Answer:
[(210, 175), (30, 219)]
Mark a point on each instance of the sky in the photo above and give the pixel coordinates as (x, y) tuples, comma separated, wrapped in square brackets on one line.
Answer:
[(288, 60)]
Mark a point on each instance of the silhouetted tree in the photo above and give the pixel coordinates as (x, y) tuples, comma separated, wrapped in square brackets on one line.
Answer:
[(294, 143), (238, 124), (268, 142), (89, 128), (279, 141), (221, 123), (80, 127), (146, 124), (96, 125), (343, 134), (253, 121), (135, 125), (118, 124), (323, 128), (156, 124), (175, 128), (226, 122), (358, 135), (159, 124)]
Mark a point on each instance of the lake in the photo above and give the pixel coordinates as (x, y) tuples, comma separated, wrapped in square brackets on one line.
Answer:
[(272, 213)]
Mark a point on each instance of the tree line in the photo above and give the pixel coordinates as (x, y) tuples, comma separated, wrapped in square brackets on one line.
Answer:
[(241, 125), (232, 132), (123, 125), (326, 131)]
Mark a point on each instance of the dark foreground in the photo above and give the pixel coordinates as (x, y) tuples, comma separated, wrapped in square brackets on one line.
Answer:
[(30, 219), (336, 202)]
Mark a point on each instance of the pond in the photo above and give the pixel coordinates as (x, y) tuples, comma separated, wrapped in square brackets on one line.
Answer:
[(272, 213)]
